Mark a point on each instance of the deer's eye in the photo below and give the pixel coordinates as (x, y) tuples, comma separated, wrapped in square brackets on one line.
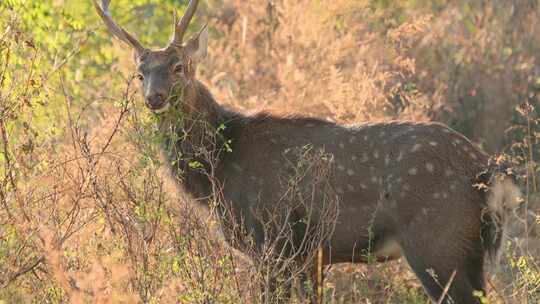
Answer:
[(140, 77), (179, 68)]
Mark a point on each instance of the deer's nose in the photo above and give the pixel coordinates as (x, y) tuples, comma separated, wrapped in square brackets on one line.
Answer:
[(155, 101)]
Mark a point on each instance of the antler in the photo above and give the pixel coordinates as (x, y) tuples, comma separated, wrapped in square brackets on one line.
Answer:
[(181, 27), (116, 30)]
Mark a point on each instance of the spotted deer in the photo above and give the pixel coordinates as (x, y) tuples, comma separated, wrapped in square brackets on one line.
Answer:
[(421, 191)]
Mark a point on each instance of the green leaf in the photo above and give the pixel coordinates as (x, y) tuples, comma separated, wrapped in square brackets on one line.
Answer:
[(195, 164)]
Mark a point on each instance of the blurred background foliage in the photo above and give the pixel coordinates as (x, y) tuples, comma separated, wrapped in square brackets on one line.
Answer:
[(65, 41), (473, 65)]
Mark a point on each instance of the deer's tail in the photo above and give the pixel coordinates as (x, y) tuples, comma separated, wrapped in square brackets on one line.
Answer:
[(502, 195)]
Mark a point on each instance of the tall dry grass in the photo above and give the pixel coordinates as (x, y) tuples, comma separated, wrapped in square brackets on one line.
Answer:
[(91, 217)]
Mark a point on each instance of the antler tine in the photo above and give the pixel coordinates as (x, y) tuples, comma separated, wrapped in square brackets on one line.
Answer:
[(120, 33), (181, 27)]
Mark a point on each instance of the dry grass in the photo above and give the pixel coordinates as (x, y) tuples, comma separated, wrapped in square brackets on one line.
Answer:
[(91, 217)]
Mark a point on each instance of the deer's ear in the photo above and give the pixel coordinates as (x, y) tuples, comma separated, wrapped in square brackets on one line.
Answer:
[(197, 46)]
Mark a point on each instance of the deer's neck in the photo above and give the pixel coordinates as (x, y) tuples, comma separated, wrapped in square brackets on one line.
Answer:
[(195, 140)]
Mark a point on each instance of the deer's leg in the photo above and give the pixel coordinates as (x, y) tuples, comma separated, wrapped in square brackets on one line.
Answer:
[(435, 277), (434, 263)]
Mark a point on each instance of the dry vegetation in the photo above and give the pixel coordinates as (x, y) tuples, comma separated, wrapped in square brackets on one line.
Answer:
[(88, 216)]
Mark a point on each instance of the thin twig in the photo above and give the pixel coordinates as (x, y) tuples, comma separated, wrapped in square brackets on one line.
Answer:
[(447, 287)]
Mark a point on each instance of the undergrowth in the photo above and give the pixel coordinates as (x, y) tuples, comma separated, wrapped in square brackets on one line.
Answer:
[(87, 213)]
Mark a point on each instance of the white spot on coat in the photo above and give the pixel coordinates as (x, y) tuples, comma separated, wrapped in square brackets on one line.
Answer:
[(364, 158), (350, 172), (400, 156), (430, 167), (413, 171), (416, 147)]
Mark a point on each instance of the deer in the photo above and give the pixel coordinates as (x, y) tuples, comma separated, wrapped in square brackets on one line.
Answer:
[(417, 190)]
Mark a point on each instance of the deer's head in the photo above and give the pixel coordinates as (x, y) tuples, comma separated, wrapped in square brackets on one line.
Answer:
[(165, 74)]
